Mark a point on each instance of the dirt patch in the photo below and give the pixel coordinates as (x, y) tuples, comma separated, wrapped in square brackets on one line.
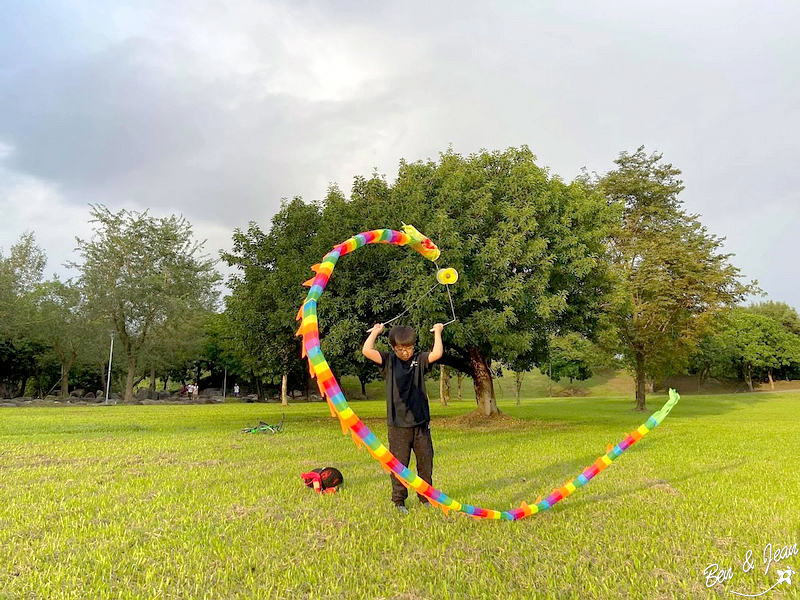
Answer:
[(664, 486), (477, 421), (572, 392)]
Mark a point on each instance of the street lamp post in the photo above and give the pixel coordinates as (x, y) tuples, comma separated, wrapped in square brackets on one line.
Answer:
[(110, 358)]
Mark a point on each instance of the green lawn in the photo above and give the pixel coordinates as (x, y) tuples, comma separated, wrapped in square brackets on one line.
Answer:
[(174, 502)]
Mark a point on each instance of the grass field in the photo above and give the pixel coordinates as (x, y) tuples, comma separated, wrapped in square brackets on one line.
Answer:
[(174, 502)]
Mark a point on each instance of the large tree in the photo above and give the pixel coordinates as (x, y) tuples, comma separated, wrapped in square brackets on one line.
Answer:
[(529, 248), (673, 277), (141, 272)]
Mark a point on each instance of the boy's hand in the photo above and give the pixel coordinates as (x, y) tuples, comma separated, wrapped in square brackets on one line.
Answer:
[(377, 328), (438, 328)]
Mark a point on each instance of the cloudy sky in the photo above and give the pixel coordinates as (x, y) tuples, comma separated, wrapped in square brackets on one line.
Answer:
[(219, 110)]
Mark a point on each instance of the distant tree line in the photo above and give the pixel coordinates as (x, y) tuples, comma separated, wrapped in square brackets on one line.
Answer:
[(142, 281), (568, 277)]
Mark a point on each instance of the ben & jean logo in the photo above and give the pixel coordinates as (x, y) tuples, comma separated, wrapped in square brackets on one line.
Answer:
[(715, 574)]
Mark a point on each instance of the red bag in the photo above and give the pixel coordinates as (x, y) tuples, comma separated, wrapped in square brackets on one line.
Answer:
[(324, 481)]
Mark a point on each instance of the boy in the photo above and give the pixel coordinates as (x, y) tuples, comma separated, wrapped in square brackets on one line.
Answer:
[(407, 411)]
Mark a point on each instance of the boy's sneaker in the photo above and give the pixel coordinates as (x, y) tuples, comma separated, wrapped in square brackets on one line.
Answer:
[(401, 509)]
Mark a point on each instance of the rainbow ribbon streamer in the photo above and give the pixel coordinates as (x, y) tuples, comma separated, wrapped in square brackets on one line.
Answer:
[(363, 437)]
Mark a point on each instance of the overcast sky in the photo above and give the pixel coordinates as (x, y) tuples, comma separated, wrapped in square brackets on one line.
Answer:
[(217, 110)]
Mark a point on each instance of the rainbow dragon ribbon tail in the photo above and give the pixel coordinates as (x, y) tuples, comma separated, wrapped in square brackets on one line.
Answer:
[(361, 434)]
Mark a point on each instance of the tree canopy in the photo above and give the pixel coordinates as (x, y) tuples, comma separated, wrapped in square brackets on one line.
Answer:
[(140, 273), (745, 344)]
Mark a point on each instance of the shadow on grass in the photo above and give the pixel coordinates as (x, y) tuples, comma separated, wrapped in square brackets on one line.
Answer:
[(553, 477), (612, 410), (663, 484)]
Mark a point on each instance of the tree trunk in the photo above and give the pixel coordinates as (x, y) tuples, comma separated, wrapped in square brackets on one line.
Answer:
[(704, 375), (444, 385), (64, 380), (129, 380), (748, 376), (23, 384), (641, 380), (518, 382), (771, 382), (363, 387), (458, 382), (482, 381), (153, 380), (284, 384), (66, 367)]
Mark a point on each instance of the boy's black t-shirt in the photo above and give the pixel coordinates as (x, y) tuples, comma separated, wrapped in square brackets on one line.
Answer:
[(406, 399)]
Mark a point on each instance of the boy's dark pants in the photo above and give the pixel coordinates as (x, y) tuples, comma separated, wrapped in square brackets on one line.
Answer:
[(401, 441)]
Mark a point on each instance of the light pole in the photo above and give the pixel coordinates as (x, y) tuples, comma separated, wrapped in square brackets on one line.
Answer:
[(110, 358)]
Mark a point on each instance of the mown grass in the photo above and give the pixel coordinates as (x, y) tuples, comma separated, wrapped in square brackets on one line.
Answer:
[(102, 502)]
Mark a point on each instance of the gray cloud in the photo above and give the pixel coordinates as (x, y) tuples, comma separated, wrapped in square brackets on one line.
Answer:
[(220, 111)]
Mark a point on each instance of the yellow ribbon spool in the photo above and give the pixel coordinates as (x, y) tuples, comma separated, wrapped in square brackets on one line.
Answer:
[(446, 276)]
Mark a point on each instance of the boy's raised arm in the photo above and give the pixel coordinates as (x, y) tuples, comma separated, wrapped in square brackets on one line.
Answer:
[(438, 348), (368, 349)]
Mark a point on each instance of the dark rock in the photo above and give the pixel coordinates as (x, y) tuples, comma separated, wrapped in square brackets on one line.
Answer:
[(8, 390), (89, 396)]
